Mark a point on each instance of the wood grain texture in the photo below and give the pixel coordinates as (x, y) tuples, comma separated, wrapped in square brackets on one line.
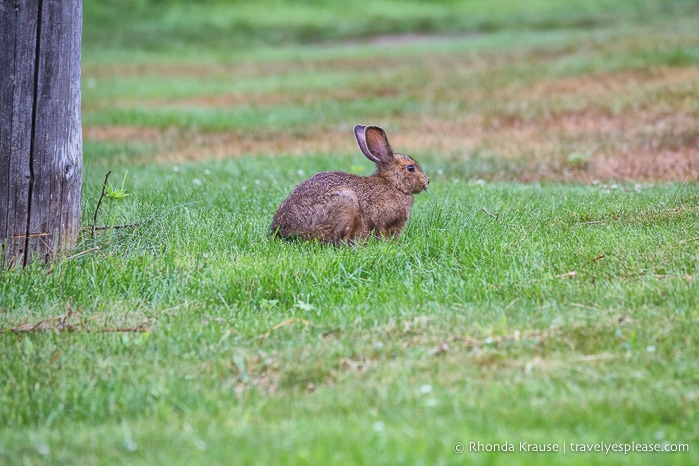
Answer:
[(40, 128)]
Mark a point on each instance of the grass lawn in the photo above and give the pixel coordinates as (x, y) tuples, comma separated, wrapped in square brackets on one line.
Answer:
[(543, 296)]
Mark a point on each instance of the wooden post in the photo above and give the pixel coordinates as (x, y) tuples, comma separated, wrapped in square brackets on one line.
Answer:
[(40, 128)]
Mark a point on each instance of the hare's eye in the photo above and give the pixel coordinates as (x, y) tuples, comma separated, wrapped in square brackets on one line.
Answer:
[(411, 168)]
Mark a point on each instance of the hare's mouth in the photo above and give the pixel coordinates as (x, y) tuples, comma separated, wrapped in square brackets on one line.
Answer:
[(421, 188), (426, 184)]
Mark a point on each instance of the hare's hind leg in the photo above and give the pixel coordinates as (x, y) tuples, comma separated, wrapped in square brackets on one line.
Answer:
[(341, 218)]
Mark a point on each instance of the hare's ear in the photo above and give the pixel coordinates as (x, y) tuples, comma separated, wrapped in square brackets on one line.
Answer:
[(374, 143)]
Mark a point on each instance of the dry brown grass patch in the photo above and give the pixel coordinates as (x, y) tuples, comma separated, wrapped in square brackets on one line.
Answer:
[(626, 125)]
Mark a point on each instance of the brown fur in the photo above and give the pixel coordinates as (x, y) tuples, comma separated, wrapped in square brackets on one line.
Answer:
[(336, 207)]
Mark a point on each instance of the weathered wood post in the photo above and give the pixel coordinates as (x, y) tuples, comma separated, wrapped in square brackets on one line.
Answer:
[(40, 128)]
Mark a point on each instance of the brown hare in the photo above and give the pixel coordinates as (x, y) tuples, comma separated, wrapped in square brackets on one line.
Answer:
[(336, 207)]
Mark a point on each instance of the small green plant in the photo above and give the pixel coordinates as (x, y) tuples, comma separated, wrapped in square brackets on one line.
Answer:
[(115, 195)]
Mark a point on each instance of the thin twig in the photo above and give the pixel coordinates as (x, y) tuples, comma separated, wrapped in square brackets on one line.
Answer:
[(43, 326), (99, 202), (495, 215), (82, 253), (69, 322), (30, 235), (116, 227), (140, 328), (95, 228)]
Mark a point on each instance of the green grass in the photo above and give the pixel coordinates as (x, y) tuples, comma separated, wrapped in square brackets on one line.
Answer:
[(471, 325), (572, 317), (215, 27)]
